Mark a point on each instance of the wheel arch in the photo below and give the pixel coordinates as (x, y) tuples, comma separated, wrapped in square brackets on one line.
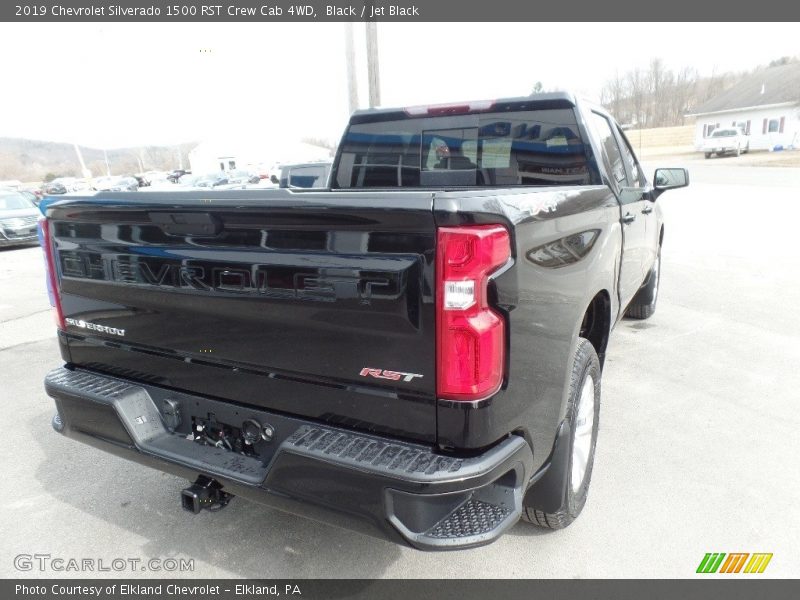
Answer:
[(595, 323)]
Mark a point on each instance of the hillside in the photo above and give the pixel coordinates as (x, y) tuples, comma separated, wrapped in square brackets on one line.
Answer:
[(36, 160)]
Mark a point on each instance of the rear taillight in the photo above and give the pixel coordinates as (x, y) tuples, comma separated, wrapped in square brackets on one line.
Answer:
[(46, 240), (470, 335)]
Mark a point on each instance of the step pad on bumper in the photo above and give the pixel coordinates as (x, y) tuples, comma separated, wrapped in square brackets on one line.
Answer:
[(433, 501), (358, 450), (474, 517)]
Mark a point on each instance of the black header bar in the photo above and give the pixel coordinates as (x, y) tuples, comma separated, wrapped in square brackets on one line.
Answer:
[(733, 588), (317, 11)]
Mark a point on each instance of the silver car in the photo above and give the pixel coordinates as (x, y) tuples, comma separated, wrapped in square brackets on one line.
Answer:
[(18, 218)]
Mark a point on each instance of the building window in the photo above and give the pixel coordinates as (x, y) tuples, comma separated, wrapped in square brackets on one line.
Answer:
[(773, 126), (231, 164)]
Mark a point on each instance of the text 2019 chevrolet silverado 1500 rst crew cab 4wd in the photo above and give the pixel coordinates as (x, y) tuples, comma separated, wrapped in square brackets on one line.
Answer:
[(413, 352)]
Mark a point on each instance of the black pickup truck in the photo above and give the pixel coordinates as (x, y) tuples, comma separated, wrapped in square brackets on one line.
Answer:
[(413, 352)]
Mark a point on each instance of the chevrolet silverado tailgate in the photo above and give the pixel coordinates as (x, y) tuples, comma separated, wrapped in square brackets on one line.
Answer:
[(317, 304)]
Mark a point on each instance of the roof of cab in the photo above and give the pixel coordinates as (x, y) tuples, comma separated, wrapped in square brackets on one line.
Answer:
[(541, 101)]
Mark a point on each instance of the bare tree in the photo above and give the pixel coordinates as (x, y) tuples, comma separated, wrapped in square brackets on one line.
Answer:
[(637, 89), (682, 93), (613, 97), (655, 87), (659, 96)]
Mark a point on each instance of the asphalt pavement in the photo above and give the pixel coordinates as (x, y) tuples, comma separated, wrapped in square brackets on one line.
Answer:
[(697, 451)]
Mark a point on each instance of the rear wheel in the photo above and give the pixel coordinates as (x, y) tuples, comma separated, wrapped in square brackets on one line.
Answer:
[(708, 154), (643, 304), (558, 498)]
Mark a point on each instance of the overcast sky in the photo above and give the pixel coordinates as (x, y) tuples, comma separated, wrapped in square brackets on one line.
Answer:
[(126, 84)]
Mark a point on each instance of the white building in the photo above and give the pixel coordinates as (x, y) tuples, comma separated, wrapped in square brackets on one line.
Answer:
[(211, 156), (766, 105)]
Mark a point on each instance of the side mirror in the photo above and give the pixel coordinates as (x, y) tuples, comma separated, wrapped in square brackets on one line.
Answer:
[(669, 179)]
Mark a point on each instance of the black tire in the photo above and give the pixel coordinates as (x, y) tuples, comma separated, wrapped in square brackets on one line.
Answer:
[(644, 302), (708, 154), (554, 501)]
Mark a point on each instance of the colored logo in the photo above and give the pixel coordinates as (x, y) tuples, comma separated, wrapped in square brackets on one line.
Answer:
[(735, 562)]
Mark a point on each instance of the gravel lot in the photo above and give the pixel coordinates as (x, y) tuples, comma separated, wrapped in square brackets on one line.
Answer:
[(697, 452)]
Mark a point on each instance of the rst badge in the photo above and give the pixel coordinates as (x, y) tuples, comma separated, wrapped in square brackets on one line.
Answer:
[(390, 375)]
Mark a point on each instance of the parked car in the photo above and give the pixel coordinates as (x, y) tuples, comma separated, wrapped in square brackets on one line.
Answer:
[(414, 351), (156, 176), (240, 176), (305, 175), (726, 140), (176, 174), (103, 182), (211, 180), (116, 184), (18, 219), (80, 184), (70, 183), (32, 196), (55, 187), (141, 180)]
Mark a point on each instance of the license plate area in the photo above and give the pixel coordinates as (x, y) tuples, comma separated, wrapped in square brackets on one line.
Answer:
[(207, 435)]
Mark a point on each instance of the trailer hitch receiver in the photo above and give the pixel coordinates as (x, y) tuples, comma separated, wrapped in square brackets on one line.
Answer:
[(204, 494)]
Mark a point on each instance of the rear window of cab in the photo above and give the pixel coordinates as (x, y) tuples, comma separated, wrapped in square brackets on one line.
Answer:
[(523, 148)]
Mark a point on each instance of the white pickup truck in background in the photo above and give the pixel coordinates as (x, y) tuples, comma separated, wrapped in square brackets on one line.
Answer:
[(726, 140)]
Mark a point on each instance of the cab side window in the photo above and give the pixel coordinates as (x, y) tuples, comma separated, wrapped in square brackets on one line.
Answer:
[(630, 159), (609, 142)]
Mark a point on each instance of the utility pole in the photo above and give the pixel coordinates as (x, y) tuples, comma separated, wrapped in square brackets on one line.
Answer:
[(373, 72), (350, 59), (105, 156), (84, 171)]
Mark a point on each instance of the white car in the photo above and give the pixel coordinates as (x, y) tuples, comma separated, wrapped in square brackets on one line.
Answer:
[(726, 140)]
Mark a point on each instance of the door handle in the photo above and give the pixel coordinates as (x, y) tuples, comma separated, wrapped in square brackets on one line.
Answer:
[(628, 218), (647, 210)]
